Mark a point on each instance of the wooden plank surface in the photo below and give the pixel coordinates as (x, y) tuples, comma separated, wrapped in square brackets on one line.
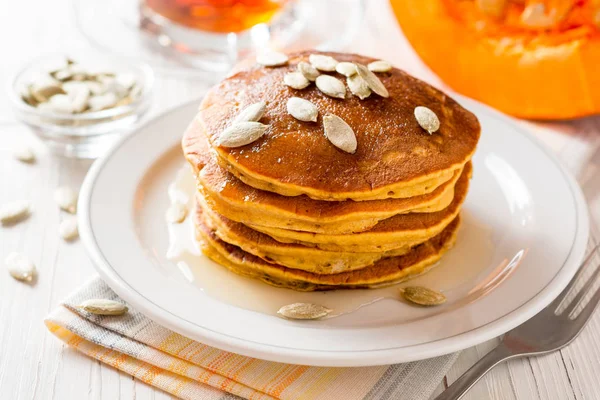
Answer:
[(34, 365)]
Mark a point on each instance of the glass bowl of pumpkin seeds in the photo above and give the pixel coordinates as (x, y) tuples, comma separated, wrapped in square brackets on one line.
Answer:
[(79, 105)]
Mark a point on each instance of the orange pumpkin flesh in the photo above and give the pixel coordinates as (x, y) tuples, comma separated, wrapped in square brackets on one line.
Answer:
[(539, 72)]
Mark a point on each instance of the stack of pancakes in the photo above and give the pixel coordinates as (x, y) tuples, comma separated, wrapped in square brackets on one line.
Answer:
[(295, 211)]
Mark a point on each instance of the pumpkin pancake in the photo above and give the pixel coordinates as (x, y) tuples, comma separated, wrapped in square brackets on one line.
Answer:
[(242, 203), (384, 272), (392, 233), (395, 157), (289, 255)]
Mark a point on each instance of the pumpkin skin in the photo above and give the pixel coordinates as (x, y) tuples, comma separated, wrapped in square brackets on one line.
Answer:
[(542, 73)]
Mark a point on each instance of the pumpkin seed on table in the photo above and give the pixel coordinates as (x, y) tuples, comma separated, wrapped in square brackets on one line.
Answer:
[(14, 212), (176, 212), (339, 133), (20, 267), (372, 80), (323, 62), (103, 307), (66, 198), (346, 68), (24, 154), (309, 72), (252, 113), (331, 86), (68, 229), (296, 80), (272, 59), (241, 134), (379, 66), (302, 110), (358, 86), (422, 295), (427, 119), (304, 311)]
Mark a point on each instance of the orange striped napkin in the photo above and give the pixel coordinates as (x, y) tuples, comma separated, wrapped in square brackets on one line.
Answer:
[(191, 370)]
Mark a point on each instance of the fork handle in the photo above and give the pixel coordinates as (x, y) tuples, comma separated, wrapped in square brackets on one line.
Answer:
[(475, 373)]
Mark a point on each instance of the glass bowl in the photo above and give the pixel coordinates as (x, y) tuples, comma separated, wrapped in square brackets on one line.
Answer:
[(86, 134)]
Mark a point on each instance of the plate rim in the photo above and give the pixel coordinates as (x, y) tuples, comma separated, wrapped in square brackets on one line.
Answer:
[(334, 358)]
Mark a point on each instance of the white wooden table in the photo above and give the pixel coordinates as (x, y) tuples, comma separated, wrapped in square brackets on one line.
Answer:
[(35, 365)]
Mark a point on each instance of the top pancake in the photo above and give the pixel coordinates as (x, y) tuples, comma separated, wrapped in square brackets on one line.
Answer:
[(293, 157)]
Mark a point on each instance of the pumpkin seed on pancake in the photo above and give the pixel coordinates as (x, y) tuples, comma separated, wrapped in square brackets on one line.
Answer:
[(393, 159)]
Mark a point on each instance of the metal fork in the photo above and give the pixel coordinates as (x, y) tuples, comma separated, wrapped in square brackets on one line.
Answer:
[(551, 329)]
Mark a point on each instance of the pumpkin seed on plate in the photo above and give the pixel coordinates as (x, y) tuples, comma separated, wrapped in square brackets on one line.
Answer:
[(422, 295), (303, 311)]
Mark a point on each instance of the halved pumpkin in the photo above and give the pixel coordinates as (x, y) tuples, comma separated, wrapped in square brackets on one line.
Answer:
[(530, 58)]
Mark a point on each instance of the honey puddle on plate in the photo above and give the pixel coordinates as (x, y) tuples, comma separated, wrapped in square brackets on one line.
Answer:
[(221, 284)]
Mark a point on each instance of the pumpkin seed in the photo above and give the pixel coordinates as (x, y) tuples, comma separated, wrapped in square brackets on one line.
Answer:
[(103, 307), (241, 134), (492, 8), (379, 66), (16, 211), (272, 59), (339, 133), (68, 228), (358, 86), (422, 295), (427, 119), (60, 103), (20, 267), (103, 101), (346, 68), (252, 113), (323, 62), (372, 80), (308, 71), (24, 154), (331, 86), (176, 213), (302, 110), (303, 311), (66, 198), (296, 80)]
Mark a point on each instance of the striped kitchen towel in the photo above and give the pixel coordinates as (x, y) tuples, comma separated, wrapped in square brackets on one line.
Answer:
[(191, 370)]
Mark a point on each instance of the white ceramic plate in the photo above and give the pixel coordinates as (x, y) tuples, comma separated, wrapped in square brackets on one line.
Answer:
[(521, 201)]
